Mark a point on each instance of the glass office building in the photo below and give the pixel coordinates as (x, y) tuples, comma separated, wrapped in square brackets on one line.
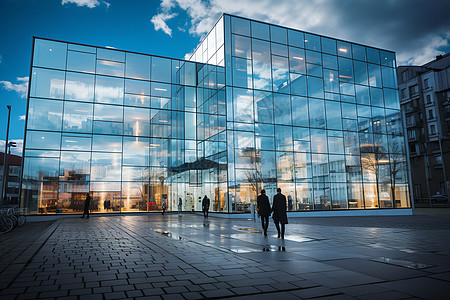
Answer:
[(257, 106)]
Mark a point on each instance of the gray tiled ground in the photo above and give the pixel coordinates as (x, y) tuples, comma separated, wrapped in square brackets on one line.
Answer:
[(188, 257)]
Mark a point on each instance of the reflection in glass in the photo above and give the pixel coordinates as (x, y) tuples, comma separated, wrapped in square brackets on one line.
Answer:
[(43, 140), (136, 121), (137, 66), (44, 114), (105, 166), (113, 68), (262, 78), (81, 62), (77, 117), (109, 90), (49, 54), (47, 83), (79, 87)]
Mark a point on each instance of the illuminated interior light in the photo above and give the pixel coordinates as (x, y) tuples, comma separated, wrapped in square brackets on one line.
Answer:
[(344, 50), (344, 76), (158, 89), (299, 58)]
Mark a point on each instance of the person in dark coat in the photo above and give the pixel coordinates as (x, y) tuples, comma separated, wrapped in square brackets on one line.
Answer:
[(264, 212), (87, 202), (279, 212), (205, 206)]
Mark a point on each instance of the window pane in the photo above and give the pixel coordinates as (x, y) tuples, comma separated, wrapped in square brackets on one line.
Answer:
[(135, 151), (75, 165), (374, 75), (108, 112), (314, 57), (389, 77), (282, 109), (242, 72), (43, 140), (278, 34), (47, 83), (283, 138), (278, 49), (376, 97), (312, 42), (260, 30), (296, 38), (79, 87), (160, 89), (107, 127), (328, 45), (345, 69), (262, 78), (359, 52), (41, 168), (391, 98), (109, 54), (361, 76), (334, 119), (161, 69), (243, 105), (137, 121), (280, 74), (49, 54), (297, 60), (362, 94), (387, 59), (137, 87), (300, 115), (109, 90), (240, 26), (74, 141), (330, 61), (373, 55), (137, 100), (316, 113), (344, 49), (106, 166), (331, 81), (77, 117), (319, 141), (264, 107), (81, 62), (137, 66), (298, 84), (348, 110), (241, 46), (108, 143), (45, 114), (314, 70), (315, 87), (107, 67)]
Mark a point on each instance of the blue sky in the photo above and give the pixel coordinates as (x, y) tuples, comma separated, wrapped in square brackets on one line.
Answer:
[(174, 27)]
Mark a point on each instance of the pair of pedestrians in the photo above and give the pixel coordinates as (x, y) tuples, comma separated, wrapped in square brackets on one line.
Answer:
[(278, 209)]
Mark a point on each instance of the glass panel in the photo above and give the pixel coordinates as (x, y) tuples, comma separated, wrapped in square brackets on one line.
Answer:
[(77, 117), (280, 74), (298, 84), (345, 69), (264, 107), (43, 140), (107, 67), (106, 166), (328, 45), (47, 83), (314, 70), (161, 69), (109, 90), (108, 112), (79, 87), (334, 119), (376, 97), (283, 138), (391, 98), (335, 145), (107, 143), (278, 49), (243, 105), (359, 52), (331, 81), (344, 49), (109, 54), (134, 196), (312, 42), (314, 57), (82, 48), (135, 151), (45, 114), (374, 75), (387, 58), (296, 38), (40, 168), (315, 87), (160, 89), (389, 77), (362, 94), (240, 26), (282, 109), (75, 165), (137, 121), (107, 127), (297, 60), (330, 61), (49, 54), (278, 34), (262, 78), (76, 142), (242, 72), (260, 30), (373, 55), (241, 46), (320, 168), (300, 114), (285, 167), (137, 87), (319, 141), (81, 62), (137, 100), (361, 76), (137, 66), (316, 113)]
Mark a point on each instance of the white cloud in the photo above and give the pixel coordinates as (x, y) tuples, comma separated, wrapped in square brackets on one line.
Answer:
[(87, 3), (417, 31), (17, 151), (159, 21), (21, 87), (22, 117)]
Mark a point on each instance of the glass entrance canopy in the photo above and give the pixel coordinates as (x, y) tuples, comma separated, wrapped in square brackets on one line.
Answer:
[(258, 106)]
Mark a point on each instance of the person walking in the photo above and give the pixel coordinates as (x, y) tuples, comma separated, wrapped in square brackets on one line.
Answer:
[(180, 204), (205, 206), (87, 202), (279, 212), (263, 206), (163, 206)]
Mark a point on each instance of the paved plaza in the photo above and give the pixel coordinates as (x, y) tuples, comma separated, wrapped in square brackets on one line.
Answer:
[(189, 257)]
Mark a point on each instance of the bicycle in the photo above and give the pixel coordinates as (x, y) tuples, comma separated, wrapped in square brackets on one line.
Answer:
[(6, 222)]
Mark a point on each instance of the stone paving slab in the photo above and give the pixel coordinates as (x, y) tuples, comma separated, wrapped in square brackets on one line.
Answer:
[(189, 257)]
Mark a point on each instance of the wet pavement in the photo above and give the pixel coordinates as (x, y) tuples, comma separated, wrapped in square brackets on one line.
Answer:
[(189, 257)]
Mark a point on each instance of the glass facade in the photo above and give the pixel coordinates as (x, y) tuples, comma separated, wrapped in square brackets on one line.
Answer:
[(257, 106)]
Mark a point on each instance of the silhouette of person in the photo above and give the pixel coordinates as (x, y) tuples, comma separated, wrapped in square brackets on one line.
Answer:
[(163, 206), (205, 206), (264, 212), (279, 212), (87, 202), (180, 204)]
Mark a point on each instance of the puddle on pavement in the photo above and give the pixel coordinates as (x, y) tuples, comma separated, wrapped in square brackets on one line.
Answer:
[(402, 263), (249, 229), (168, 234)]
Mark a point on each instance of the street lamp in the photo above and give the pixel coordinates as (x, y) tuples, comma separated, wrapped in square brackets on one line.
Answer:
[(11, 145)]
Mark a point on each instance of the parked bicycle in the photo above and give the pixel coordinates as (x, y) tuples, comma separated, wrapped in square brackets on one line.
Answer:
[(11, 217)]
